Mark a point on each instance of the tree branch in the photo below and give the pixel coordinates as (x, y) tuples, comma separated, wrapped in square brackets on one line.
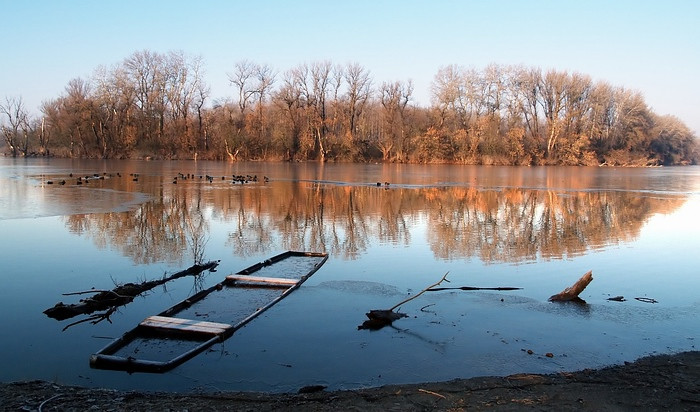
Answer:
[(444, 279)]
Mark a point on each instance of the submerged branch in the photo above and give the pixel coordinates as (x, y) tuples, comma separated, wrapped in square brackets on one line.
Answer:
[(94, 319), (444, 279), (121, 295), (85, 292), (474, 288), (378, 318)]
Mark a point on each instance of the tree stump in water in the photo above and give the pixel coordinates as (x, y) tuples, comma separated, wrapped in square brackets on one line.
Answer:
[(571, 293), (378, 318)]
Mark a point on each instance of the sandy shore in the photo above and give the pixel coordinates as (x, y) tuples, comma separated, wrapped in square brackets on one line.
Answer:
[(663, 382)]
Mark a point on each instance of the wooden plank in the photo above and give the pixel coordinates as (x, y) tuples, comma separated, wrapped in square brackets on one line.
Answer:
[(185, 325), (258, 279)]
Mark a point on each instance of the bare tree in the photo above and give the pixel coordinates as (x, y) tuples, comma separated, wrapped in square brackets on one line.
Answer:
[(202, 92), (265, 77), (77, 112), (358, 92), (552, 100), (290, 98), (493, 85), (242, 77), (147, 77), (115, 96), (184, 93), (394, 98), (44, 136), (528, 82), (16, 130), (320, 78), (458, 96)]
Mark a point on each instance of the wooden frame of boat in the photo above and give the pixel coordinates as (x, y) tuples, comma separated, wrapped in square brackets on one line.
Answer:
[(209, 333)]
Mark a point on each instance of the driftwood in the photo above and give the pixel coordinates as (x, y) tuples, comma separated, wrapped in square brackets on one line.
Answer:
[(571, 293), (378, 318), (121, 295)]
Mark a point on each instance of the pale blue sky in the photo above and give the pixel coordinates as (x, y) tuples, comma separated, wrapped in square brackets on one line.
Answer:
[(649, 46)]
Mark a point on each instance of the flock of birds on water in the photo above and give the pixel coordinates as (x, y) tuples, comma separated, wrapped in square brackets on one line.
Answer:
[(79, 180), (236, 178), (242, 179)]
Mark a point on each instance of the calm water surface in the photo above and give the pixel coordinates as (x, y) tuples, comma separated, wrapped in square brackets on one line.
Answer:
[(535, 228)]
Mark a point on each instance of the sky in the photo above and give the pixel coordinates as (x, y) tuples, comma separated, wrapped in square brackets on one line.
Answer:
[(648, 46)]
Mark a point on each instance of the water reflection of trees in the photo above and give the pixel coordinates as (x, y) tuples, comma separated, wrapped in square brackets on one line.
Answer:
[(506, 225), (517, 224), (169, 228)]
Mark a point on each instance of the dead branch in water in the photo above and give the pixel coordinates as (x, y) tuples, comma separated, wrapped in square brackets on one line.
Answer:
[(85, 292), (474, 288), (121, 295), (94, 319), (444, 279), (378, 318), (571, 293)]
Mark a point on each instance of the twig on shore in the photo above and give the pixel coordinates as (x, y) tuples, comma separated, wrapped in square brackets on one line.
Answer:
[(50, 399), (431, 393)]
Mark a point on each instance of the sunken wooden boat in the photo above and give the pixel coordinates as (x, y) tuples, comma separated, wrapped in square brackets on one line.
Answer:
[(162, 342)]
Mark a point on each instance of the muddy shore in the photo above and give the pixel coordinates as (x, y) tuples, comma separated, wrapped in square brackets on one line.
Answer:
[(663, 382)]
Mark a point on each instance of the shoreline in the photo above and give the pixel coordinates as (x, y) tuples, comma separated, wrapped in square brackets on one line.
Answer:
[(668, 382)]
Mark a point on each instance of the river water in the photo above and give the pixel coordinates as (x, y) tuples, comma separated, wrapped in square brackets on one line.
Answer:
[(390, 231)]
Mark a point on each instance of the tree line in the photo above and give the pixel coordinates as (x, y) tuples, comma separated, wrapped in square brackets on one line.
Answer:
[(157, 105)]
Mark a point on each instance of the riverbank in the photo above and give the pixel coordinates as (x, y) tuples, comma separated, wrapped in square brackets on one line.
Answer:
[(662, 382)]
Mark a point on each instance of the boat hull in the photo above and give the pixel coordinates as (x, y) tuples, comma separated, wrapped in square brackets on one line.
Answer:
[(181, 325)]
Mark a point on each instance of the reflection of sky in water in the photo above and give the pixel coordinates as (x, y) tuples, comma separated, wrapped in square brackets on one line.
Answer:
[(649, 251), (677, 224)]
